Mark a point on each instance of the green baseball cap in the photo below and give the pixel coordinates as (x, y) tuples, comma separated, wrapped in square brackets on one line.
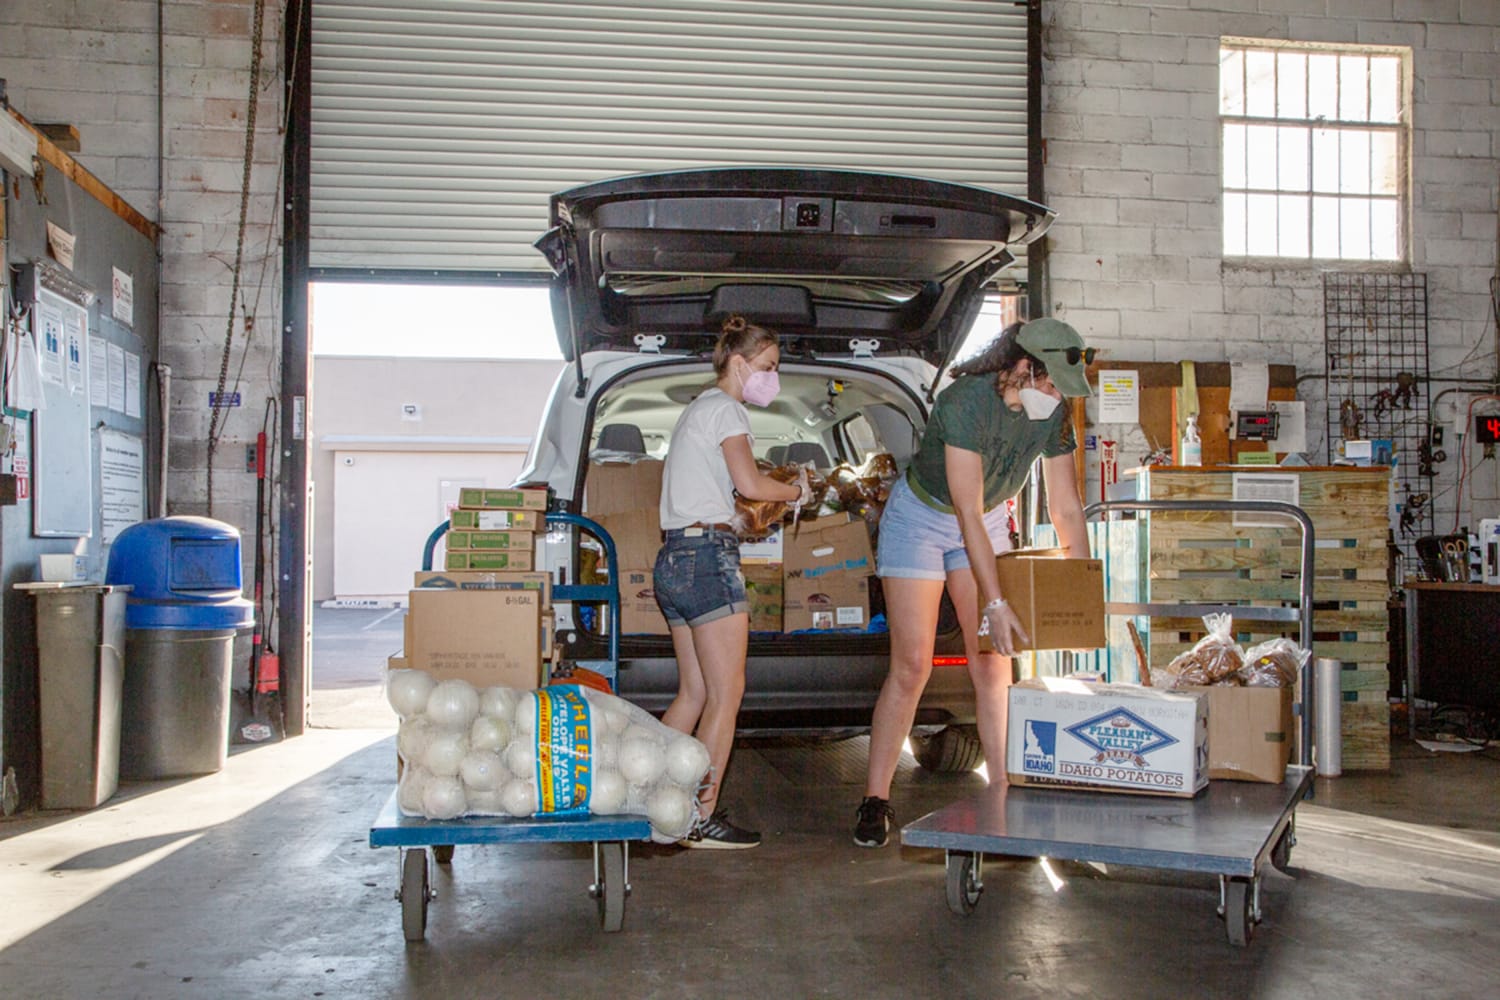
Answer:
[(1058, 346)]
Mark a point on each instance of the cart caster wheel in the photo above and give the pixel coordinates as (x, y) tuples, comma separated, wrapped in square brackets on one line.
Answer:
[(1239, 922), (964, 885), (415, 894), (1281, 853), (609, 890), (442, 854)]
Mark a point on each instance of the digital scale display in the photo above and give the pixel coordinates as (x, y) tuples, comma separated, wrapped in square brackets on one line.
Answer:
[(1487, 428), (1255, 426)]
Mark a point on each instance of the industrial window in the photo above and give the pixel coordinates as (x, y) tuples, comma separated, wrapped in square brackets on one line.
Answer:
[(1315, 150)]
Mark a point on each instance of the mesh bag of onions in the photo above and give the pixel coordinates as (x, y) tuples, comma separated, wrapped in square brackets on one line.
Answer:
[(561, 749)]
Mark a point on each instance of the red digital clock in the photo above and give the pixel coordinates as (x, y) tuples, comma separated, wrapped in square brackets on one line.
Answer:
[(1487, 428)]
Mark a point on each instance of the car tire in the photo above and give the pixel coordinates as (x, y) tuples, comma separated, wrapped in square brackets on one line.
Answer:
[(950, 750)]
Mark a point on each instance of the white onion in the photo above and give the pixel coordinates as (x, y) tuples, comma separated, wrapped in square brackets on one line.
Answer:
[(408, 690), (520, 758), (525, 717), (651, 733), (443, 798), (670, 810), (499, 702), (409, 789), (413, 737), (445, 753), (687, 761), (489, 733), (612, 714), (485, 802), (482, 770), (453, 705), (641, 761), (607, 797), (635, 798), (606, 752), (519, 798)]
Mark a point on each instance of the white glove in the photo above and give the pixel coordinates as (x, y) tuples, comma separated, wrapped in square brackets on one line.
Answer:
[(1003, 622), (805, 496)]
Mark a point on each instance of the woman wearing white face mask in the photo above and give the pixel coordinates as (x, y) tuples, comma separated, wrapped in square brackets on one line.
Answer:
[(697, 576), (946, 521)]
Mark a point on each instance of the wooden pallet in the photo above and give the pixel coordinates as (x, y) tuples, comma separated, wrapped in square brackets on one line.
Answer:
[(1206, 557)]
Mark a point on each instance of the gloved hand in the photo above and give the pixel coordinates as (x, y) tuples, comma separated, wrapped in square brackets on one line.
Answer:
[(804, 485), (1005, 627)]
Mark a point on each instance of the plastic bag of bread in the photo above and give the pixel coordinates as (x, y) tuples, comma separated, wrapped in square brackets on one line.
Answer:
[(1214, 659), (1273, 663)]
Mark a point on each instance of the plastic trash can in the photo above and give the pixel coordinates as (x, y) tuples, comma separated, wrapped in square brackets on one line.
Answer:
[(181, 617), (80, 638)]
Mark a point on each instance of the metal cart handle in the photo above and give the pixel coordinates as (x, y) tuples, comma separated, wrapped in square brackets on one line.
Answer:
[(1303, 615), (603, 593)]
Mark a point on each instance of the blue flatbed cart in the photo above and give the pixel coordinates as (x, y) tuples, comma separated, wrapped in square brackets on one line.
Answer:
[(1231, 829), (609, 835)]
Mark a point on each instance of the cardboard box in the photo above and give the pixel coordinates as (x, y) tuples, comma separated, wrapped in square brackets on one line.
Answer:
[(636, 534), (639, 613), (770, 549), (1065, 732), (1250, 732), (496, 520), (827, 575), (511, 559), (612, 487), (486, 580), (486, 637), (465, 540), (515, 499), (1060, 602), (763, 589)]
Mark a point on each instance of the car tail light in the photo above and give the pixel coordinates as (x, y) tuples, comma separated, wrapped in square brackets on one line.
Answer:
[(950, 661)]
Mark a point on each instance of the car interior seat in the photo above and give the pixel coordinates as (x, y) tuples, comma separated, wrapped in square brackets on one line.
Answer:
[(776, 454), (621, 437), (803, 452)]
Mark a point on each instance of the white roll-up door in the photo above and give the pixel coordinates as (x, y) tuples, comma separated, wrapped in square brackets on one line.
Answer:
[(440, 127)]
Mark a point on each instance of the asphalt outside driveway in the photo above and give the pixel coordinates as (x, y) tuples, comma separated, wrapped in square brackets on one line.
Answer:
[(349, 651)]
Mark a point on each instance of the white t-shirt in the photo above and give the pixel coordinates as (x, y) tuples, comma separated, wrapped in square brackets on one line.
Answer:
[(696, 485)]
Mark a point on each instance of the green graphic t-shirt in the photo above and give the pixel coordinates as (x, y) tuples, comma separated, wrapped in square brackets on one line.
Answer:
[(971, 415)]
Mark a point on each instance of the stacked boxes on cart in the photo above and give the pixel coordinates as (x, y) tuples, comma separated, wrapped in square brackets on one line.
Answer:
[(815, 576), (487, 617)]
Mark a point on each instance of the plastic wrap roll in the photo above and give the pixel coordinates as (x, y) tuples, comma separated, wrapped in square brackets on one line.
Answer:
[(1328, 699)]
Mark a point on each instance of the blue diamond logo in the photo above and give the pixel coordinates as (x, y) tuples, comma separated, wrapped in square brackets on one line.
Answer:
[(1121, 735)]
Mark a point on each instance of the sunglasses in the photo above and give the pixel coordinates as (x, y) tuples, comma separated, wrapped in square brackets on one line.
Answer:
[(1073, 354)]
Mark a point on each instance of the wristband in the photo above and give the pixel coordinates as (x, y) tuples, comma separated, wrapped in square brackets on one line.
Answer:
[(998, 602)]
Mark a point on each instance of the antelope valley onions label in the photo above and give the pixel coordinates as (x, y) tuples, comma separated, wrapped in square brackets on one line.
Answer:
[(564, 750)]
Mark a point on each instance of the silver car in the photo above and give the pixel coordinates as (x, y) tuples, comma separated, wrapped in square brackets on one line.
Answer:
[(873, 282)]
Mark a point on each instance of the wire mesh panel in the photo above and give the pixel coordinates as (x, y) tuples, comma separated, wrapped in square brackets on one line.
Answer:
[(1375, 340)]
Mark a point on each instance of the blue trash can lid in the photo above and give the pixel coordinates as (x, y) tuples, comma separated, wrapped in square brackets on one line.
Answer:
[(233, 613)]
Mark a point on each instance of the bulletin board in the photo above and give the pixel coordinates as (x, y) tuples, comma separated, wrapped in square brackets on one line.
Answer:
[(62, 448)]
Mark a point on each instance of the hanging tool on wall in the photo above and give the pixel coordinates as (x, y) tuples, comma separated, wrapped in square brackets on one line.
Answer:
[(1401, 396), (1410, 511)]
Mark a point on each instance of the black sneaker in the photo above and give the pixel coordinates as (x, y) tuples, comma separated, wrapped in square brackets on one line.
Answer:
[(718, 834), (873, 828)]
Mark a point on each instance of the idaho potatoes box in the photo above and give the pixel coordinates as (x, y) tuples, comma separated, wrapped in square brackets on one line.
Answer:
[(1060, 602), (1070, 733)]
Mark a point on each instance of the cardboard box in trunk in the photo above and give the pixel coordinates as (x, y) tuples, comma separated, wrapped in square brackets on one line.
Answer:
[(639, 613), (1107, 737), (612, 487), (1060, 602), (1250, 732), (486, 637), (763, 589), (636, 534), (827, 575)]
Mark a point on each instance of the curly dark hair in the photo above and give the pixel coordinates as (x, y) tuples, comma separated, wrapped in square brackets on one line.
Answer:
[(1001, 355)]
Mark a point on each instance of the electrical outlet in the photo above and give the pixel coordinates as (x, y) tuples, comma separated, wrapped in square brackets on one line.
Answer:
[(1437, 435), (250, 458)]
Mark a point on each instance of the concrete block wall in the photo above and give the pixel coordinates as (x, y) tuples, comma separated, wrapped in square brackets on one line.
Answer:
[(1132, 166), (94, 64)]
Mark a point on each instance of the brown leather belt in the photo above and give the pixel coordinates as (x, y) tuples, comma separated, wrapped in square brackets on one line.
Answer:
[(702, 526)]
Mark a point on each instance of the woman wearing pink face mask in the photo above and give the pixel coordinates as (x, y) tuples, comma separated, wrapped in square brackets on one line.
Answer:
[(697, 576)]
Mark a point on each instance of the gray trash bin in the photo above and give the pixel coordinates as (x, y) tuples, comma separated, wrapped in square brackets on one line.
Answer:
[(181, 618), (80, 635)]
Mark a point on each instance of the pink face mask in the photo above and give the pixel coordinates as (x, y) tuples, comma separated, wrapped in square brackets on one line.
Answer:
[(760, 388)]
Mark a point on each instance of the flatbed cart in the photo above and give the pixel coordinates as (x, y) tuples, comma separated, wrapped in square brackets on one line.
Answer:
[(1231, 829), (609, 835)]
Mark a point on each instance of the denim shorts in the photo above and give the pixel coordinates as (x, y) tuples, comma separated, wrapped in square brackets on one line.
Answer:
[(920, 543), (697, 578)]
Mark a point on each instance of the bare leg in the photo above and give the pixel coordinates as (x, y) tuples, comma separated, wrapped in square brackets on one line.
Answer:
[(990, 672), (720, 647), (685, 710), (912, 613)]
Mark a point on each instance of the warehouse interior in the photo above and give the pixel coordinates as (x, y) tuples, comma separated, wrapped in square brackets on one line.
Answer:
[(1280, 217)]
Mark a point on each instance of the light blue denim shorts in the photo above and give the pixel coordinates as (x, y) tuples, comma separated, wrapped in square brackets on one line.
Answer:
[(697, 576), (920, 543)]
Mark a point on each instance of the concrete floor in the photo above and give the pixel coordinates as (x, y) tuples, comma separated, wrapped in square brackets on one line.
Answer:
[(258, 881)]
